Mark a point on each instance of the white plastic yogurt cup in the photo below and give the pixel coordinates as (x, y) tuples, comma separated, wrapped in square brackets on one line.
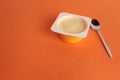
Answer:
[(67, 36)]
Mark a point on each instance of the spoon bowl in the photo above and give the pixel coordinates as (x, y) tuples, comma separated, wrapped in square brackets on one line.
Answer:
[(95, 24)]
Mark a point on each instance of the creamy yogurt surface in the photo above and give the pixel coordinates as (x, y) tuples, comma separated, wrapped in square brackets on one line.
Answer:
[(72, 24)]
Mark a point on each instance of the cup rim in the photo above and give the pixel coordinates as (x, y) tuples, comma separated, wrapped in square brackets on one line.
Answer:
[(83, 34)]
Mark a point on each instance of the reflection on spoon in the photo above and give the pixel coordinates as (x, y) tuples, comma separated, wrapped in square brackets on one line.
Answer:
[(96, 26)]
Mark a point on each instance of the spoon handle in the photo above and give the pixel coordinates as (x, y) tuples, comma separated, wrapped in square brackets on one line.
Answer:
[(105, 45)]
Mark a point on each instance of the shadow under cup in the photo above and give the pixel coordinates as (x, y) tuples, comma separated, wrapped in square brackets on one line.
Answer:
[(71, 26)]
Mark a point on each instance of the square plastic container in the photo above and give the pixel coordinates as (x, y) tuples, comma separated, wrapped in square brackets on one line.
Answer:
[(70, 37)]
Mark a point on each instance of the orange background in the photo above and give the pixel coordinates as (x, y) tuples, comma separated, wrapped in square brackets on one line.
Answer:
[(30, 51)]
